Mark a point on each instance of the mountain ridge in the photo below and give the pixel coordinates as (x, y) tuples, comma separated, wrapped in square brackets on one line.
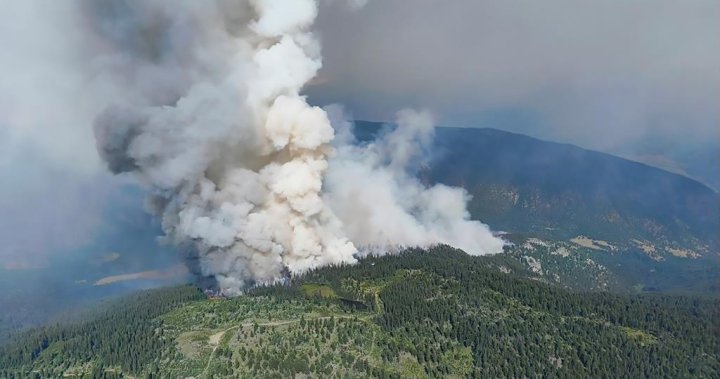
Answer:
[(520, 183), (627, 226), (624, 157)]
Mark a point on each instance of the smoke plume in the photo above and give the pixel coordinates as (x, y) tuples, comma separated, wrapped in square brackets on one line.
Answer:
[(240, 167), (373, 189)]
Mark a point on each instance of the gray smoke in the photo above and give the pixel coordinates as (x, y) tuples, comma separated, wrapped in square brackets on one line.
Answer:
[(210, 117), (372, 188)]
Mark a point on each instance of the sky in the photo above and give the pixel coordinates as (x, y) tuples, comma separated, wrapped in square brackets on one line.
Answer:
[(631, 77), (639, 78), (56, 198)]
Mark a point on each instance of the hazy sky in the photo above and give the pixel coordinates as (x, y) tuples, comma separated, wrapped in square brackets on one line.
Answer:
[(597, 73), (606, 74)]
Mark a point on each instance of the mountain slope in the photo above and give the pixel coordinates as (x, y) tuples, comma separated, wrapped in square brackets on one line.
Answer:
[(625, 225), (573, 190), (522, 184), (437, 313)]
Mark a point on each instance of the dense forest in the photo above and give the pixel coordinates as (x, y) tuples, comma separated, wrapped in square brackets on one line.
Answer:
[(435, 313), (120, 334)]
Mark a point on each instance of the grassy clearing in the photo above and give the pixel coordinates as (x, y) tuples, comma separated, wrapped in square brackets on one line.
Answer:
[(318, 290), (639, 336)]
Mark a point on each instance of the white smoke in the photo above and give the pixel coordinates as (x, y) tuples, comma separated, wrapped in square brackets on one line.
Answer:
[(371, 189), (240, 165)]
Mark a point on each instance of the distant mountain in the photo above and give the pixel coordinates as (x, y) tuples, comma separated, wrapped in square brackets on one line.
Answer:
[(522, 184), (652, 229), (698, 160)]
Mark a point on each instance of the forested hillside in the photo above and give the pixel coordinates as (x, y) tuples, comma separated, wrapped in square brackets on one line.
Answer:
[(651, 229), (520, 183), (437, 313)]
